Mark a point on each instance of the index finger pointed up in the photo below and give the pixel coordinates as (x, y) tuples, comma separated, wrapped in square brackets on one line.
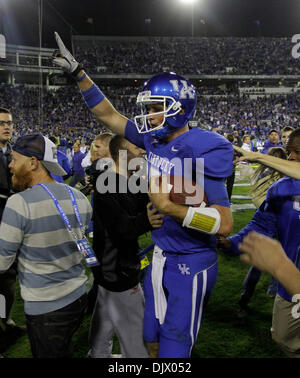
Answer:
[(59, 42)]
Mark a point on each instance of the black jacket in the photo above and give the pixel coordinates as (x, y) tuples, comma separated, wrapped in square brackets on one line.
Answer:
[(5, 178), (119, 219), (5, 175)]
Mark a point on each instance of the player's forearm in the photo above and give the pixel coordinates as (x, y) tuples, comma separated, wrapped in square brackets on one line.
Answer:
[(288, 275), (289, 168), (100, 106), (86, 83), (226, 224), (177, 212)]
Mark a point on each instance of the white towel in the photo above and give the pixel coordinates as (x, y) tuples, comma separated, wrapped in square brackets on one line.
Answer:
[(160, 302)]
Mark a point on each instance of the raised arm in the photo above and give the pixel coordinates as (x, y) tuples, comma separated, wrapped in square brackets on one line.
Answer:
[(288, 168), (94, 98)]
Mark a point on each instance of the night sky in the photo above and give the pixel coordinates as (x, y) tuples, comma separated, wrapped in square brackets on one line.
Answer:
[(19, 18)]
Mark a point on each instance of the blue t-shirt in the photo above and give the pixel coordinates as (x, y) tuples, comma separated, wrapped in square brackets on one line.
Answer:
[(77, 159), (167, 158), (269, 145), (278, 216), (63, 161)]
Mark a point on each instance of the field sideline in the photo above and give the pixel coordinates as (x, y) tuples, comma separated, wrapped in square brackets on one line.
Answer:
[(222, 334)]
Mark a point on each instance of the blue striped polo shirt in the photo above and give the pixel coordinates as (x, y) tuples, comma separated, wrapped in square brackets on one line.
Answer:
[(51, 273)]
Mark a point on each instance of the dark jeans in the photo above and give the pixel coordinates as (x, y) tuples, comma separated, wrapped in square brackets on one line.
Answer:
[(229, 183), (250, 283), (92, 298), (50, 334), (8, 288)]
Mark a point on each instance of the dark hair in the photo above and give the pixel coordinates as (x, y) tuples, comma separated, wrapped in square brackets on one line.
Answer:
[(230, 137), (294, 134), (277, 152), (274, 151), (53, 139), (273, 131), (116, 143), (4, 110), (288, 128)]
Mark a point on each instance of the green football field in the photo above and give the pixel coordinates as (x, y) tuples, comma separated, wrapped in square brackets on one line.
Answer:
[(223, 334)]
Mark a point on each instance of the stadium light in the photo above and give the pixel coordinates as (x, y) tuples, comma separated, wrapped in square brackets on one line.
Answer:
[(191, 3), (188, 1)]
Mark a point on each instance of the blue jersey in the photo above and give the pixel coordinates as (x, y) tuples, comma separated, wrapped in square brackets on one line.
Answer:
[(217, 153), (63, 161), (278, 215), (269, 145)]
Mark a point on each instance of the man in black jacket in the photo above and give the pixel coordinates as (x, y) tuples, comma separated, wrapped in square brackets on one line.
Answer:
[(7, 279), (120, 217), (6, 127)]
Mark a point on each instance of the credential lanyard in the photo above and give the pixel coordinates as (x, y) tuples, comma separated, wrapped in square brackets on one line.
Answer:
[(63, 214)]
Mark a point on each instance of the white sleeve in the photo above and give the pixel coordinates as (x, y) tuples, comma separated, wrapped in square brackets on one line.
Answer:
[(86, 162)]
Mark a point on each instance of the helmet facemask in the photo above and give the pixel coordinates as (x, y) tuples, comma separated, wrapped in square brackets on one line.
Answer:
[(170, 109)]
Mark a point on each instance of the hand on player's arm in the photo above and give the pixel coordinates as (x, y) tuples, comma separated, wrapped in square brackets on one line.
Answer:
[(268, 255), (223, 242), (104, 110), (155, 218), (247, 155), (287, 167)]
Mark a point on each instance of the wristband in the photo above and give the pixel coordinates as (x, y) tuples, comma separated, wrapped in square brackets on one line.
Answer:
[(92, 96), (77, 70), (81, 77), (205, 219)]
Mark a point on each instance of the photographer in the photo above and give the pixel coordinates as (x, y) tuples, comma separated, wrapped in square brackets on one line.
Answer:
[(96, 161), (120, 217)]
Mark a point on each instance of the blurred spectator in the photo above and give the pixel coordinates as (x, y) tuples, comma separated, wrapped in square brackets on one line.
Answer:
[(273, 141), (285, 132), (63, 161), (78, 171)]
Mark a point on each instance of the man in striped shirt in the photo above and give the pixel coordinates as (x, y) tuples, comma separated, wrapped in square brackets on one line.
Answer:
[(51, 274)]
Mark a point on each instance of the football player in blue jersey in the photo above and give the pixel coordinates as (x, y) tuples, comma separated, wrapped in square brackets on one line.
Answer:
[(279, 215), (267, 254), (184, 266)]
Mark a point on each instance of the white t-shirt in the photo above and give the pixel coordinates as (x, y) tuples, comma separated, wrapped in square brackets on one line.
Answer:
[(246, 147)]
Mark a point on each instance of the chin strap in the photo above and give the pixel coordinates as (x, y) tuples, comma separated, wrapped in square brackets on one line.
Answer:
[(162, 133)]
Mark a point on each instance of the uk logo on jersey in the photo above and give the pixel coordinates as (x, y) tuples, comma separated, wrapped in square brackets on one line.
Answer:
[(184, 270)]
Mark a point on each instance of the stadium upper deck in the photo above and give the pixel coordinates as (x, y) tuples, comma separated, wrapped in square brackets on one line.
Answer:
[(197, 56)]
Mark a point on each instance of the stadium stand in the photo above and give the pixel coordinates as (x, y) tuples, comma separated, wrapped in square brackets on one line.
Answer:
[(253, 93)]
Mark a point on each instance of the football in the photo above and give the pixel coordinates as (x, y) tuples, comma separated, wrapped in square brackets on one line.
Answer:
[(185, 191)]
